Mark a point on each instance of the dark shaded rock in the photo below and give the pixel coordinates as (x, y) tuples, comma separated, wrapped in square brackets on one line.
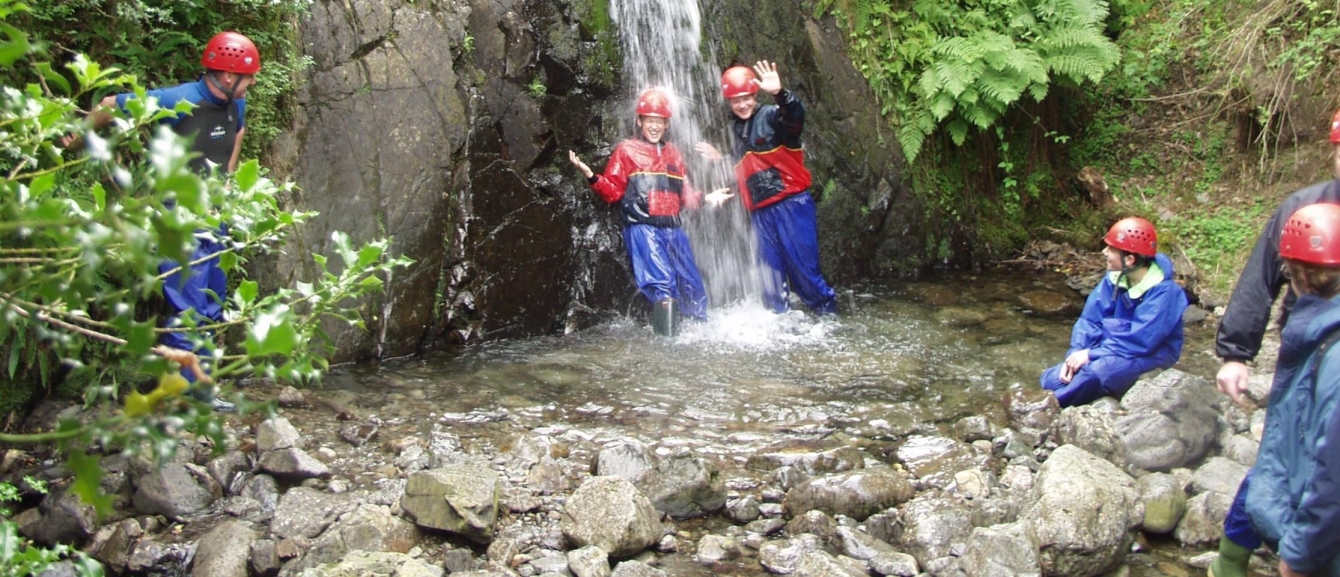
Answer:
[(175, 491)]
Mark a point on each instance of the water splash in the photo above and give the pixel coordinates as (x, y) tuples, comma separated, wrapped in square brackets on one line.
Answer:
[(662, 48)]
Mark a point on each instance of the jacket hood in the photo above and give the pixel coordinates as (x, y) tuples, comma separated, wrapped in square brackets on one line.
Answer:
[(1311, 319)]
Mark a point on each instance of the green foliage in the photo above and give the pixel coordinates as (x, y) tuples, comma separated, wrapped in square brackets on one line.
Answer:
[(1216, 242), (961, 64), (19, 558), (159, 41), (81, 240), (536, 88)]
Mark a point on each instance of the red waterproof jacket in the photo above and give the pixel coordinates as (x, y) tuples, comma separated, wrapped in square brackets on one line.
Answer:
[(647, 180), (769, 159)]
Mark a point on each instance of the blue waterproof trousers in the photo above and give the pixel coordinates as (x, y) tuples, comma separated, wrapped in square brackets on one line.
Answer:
[(664, 268), (1238, 525), (788, 246), (1108, 376), (199, 293)]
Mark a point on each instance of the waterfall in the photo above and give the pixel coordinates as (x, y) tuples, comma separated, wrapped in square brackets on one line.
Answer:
[(661, 46)]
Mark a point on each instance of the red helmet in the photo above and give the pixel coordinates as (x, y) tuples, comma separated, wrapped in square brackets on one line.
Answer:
[(1134, 235), (1312, 235), (231, 52), (1335, 128), (738, 81), (654, 103)]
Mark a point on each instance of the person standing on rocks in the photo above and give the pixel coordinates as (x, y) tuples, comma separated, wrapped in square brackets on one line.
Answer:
[(1241, 330), (774, 185), (1293, 499), (646, 176), (215, 126), (1131, 323)]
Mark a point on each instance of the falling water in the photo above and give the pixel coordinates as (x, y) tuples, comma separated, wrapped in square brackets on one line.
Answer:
[(661, 46)]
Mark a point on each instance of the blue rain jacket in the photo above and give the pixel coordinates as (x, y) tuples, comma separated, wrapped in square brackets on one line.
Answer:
[(1294, 497), (1114, 324)]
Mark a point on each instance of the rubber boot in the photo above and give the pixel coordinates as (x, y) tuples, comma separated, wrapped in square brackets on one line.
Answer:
[(1232, 560), (665, 317)]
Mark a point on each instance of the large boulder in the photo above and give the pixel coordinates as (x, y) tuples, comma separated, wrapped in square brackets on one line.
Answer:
[(1001, 551), (684, 487), (933, 461), (610, 513), (306, 512), (1165, 502), (932, 526), (1203, 522), (375, 564), (175, 491), (1171, 420), (65, 518), (1092, 429), (223, 551), (462, 499), (630, 460), (1084, 511), (370, 528)]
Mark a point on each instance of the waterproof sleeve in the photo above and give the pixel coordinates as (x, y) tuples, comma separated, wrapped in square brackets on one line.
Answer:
[(1156, 317), (1244, 322), (790, 118), (611, 184), (1088, 329), (1312, 541)]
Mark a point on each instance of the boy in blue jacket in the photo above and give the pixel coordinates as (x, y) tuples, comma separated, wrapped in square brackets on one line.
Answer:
[(1293, 499), (1131, 324)]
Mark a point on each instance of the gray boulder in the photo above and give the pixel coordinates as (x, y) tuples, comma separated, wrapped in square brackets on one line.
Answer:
[(293, 463), (370, 528), (223, 551), (1203, 522), (859, 544), (589, 561), (717, 548), (226, 467), (1092, 429), (1031, 412), (821, 564), (743, 510), (1171, 421), (375, 564), (277, 433), (783, 557), (810, 462), (609, 512), (1220, 475), (175, 491), (933, 461), (65, 518), (894, 564), (1165, 502), (307, 512), (634, 568), (1001, 551), (462, 499), (1084, 511), (629, 460), (685, 487), (814, 522), (932, 526)]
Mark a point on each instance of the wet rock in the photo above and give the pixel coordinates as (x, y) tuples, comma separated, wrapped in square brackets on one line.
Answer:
[(972, 484), (1050, 303), (610, 513), (153, 558), (550, 563), (307, 512), (783, 557), (359, 434), (223, 551), (811, 463), (1017, 478), (685, 487), (788, 477), (589, 561), (112, 544), (291, 398), (413, 458), (277, 433), (264, 490), (462, 499), (1092, 429), (520, 500), (225, 468), (1203, 522), (820, 564), (1009, 445), (766, 526), (1083, 511), (743, 510), (1172, 420), (367, 528), (814, 522), (934, 460), (64, 518), (1001, 551), (961, 317), (859, 545), (264, 558), (1031, 412), (633, 568), (629, 460), (932, 526), (175, 491), (885, 525), (373, 564), (293, 463), (973, 428), (1219, 475), (717, 548), (445, 449), (668, 544), (1165, 502), (530, 450), (855, 494)]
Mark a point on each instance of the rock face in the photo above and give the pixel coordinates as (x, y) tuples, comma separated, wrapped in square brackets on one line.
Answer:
[(460, 498), (1083, 510), (417, 122), (610, 513)]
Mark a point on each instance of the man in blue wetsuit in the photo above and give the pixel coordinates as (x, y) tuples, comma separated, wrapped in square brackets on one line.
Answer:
[(215, 125), (1131, 323)]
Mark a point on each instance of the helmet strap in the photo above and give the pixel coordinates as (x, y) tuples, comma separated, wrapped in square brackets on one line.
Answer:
[(230, 91)]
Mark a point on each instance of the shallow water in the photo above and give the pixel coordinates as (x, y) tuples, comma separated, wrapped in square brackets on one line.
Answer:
[(905, 358)]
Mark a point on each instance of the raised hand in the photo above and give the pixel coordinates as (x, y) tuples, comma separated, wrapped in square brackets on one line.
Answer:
[(768, 80), (577, 162), (718, 196), (707, 151)]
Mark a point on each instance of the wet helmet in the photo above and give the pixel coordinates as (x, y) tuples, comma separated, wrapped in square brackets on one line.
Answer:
[(1134, 235), (738, 81), (1335, 128), (1312, 235), (654, 103), (231, 52)]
